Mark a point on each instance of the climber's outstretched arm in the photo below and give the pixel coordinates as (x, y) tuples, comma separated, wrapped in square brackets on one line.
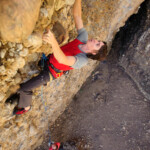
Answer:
[(77, 14)]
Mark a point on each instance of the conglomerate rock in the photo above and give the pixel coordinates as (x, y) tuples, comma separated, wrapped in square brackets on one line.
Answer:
[(18, 62), (18, 19)]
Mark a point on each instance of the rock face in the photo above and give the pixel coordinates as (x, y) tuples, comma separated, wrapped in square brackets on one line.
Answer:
[(18, 19), (18, 61), (104, 18), (133, 46)]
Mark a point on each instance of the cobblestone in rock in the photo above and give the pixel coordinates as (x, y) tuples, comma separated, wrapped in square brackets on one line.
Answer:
[(2, 53), (24, 52), (19, 46), (11, 45)]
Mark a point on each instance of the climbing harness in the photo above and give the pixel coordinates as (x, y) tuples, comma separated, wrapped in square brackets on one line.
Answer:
[(55, 72), (50, 143)]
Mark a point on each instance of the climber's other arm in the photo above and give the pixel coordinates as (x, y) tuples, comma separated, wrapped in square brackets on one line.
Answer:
[(77, 14), (58, 53)]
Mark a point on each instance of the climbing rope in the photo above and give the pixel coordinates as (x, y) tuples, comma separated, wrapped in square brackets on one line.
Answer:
[(44, 58)]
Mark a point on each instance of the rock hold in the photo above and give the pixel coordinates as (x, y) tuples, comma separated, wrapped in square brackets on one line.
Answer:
[(17, 79), (2, 53), (24, 52), (59, 4), (19, 63), (34, 41), (10, 60), (44, 12), (11, 54), (33, 57), (2, 95), (11, 45), (70, 2), (12, 50), (19, 46), (2, 70)]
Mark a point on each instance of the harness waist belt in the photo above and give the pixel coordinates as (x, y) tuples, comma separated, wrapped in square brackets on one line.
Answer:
[(56, 72), (55, 69)]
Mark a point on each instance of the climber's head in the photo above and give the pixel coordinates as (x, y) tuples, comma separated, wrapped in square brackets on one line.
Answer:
[(93, 46), (97, 50)]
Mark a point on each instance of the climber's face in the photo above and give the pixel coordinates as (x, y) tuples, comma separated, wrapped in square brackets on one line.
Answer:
[(94, 46)]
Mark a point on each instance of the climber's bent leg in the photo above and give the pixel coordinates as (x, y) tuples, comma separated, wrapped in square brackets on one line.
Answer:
[(26, 88)]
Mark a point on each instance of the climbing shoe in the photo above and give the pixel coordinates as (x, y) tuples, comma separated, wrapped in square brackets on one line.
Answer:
[(13, 98), (19, 111)]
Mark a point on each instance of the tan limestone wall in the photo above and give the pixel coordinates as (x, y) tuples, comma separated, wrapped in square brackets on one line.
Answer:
[(18, 63)]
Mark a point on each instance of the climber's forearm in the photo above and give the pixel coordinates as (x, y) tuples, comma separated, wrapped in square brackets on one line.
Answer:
[(58, 53), (60, 56), (77, 14), (77, 8)]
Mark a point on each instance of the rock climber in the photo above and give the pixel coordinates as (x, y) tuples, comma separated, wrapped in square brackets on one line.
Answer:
[(70, 56)]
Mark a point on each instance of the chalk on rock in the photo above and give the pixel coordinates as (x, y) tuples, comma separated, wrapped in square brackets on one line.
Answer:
[(44, 12), (34, 41)]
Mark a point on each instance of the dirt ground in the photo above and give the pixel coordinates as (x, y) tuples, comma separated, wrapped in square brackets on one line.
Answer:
[(108, 113)]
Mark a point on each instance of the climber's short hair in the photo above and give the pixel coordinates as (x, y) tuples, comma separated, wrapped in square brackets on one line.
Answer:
[(100, 54)]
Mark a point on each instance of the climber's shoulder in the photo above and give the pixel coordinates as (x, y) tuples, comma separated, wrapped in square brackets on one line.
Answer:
[(82, 35)]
